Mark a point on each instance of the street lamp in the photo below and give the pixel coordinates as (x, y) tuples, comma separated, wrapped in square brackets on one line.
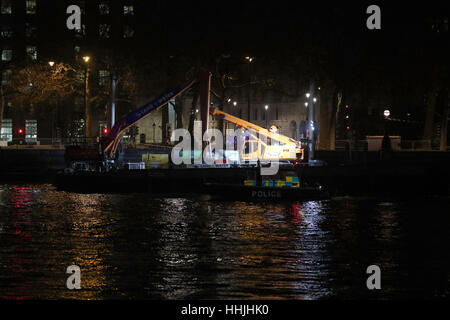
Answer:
[(235, 103), (86, 94), (266, 107), (51, 63), (312, 134), (387, 113), (249, 60)]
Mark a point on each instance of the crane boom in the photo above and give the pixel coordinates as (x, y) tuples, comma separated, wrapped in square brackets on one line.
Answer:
[(289, 150), (251, 126), (203, 77), (137, 115)]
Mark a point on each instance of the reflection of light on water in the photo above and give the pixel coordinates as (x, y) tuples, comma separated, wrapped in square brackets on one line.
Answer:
[(385, 204), (19, 265), (281, 249), (175, 204), (387, 220), (174, 231), (311, 249), (88, 225)]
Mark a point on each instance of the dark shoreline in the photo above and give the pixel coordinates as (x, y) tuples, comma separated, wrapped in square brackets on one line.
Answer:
[(404, 174)]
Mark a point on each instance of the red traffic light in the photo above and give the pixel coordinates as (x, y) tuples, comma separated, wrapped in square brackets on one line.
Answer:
[(105, 130), (348, 128), (20, 131)]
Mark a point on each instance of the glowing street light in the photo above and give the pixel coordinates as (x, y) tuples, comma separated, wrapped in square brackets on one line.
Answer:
[(51, 63), (308, 95), (249, 59), (266, 107), (387, 113), (86, 96), (235, 103)]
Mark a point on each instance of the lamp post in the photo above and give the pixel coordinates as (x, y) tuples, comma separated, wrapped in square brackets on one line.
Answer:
[(86, 95), (51, 64), (266, 107), (249, 60), (386, 114), (154, 131), (310, 96), (113, 99)]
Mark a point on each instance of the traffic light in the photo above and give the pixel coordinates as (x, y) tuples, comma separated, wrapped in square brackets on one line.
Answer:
[(20, 131), (347, 128), (105, 131)]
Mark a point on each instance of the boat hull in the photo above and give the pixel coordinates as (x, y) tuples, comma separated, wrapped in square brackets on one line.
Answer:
[(254, 193)]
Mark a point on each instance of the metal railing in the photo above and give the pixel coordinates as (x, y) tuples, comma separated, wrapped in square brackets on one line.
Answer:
[(61, 143), (415, 145)]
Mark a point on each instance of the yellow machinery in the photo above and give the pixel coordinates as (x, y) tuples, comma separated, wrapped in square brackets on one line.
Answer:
[(281, 148)]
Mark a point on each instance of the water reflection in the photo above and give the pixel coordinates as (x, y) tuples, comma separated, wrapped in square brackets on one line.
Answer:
[(18, 267), (134, 246)]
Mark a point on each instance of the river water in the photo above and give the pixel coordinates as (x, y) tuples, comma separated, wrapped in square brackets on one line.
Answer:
[(132, 246)]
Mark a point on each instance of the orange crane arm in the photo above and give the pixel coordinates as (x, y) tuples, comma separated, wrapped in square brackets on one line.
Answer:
[(250, 126)]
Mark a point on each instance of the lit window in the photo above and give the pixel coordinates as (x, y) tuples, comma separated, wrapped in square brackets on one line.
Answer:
[(30, 30), (439, 25), (128, 32), (6, 77), (128, 10), (31, 6), (6, 32), (6, 132), (6, 55), (32, 53), (6, 7), (103, 77), (103, 30), (30, 131), (103, 8)]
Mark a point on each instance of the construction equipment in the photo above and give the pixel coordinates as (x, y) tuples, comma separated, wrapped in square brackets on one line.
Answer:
[(275, 147), (254, 148)]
